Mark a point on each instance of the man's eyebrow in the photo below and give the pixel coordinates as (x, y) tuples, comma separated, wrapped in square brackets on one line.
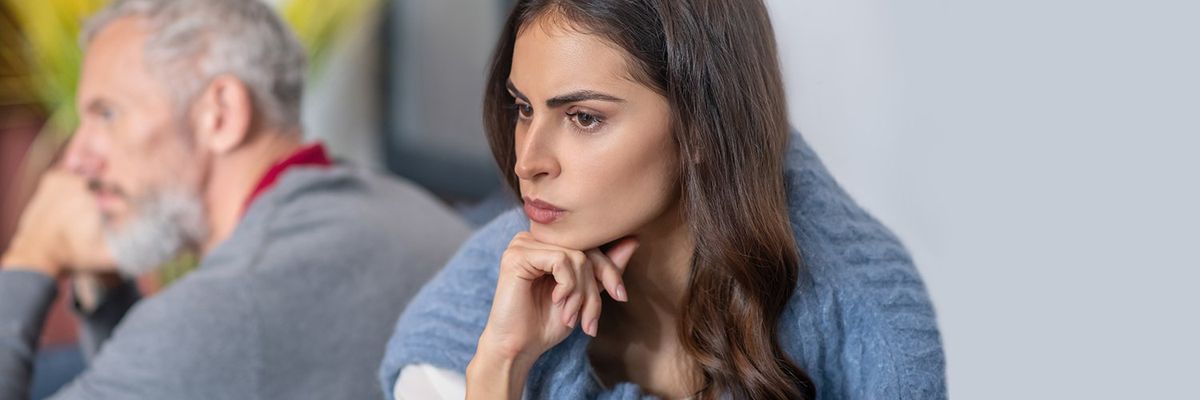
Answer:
[(95, 105)]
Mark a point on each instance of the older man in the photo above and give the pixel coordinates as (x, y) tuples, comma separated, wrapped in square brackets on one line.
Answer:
[(190, 139)]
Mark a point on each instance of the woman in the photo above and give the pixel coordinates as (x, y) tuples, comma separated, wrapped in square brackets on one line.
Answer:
[(647, 141)]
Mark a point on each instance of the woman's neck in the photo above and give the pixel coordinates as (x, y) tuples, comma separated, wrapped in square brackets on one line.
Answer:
[(638, 340), (656, 276)]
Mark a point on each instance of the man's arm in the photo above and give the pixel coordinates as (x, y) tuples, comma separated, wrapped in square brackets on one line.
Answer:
[(25, 298), (196, 340), (99, 303), (59, 235)]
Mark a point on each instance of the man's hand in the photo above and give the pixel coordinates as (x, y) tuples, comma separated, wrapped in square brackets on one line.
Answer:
[(60, 230)]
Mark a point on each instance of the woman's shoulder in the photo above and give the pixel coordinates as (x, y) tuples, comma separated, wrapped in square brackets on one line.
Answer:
[(861, 301), (474, 266), (485, 247), (845, 250), (441, 324)]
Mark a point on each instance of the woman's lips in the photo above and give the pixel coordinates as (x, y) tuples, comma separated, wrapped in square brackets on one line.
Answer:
[(542, 212)]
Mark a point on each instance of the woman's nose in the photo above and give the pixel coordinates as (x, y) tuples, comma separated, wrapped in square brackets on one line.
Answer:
[(536, 157)]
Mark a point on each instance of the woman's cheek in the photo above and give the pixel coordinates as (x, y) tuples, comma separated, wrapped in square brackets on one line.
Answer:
[(586, 228)]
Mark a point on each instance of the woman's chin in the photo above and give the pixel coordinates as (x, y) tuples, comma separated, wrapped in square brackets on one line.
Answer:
[(567, 238)]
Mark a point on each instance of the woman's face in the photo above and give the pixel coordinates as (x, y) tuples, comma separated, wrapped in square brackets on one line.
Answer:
[(595, 158)]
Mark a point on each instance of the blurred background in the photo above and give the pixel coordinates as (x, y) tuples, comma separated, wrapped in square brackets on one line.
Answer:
[(1035, 156)]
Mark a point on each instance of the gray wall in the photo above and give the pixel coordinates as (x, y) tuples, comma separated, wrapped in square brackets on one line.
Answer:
[(438, 54), (1038, 159)]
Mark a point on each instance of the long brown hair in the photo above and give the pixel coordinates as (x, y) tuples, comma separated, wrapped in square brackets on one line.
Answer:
[(715, 62)]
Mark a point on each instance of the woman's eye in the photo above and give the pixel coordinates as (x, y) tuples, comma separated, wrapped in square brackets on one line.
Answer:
[(584, 120), (524, 110)]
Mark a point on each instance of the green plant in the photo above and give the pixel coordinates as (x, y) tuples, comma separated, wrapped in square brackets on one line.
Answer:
[(51, 30)]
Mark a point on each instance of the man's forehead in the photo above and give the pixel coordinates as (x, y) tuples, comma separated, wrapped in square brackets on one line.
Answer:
[(123, 36), (113, 67)]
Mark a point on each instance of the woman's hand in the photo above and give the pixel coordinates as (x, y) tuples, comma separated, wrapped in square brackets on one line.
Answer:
[(542, 293)]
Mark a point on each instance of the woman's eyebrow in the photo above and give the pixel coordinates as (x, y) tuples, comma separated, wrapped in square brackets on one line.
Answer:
[(512, 89), (568, 98), (581, 95)]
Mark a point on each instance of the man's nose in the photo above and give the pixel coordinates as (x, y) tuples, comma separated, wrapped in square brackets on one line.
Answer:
[(81, 157)]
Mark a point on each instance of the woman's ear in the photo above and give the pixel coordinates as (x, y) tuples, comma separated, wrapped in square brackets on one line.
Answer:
[(224, 114)]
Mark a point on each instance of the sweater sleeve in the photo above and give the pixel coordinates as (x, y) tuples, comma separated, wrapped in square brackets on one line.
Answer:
[(441, 327), (25, 299), (442, 324)]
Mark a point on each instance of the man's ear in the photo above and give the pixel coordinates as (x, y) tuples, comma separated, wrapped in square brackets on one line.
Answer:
[(224, 114)]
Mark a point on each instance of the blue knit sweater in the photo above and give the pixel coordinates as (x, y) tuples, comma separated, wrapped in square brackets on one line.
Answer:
[(860, 322)]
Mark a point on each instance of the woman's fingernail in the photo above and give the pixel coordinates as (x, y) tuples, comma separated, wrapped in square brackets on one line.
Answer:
[(621, 296), (593, 326), (571, 322)]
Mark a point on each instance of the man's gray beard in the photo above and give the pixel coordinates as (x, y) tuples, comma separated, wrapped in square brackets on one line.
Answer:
[(163, 224)]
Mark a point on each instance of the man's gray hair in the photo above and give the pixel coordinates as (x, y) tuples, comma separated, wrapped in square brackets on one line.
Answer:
[(194, 41)]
